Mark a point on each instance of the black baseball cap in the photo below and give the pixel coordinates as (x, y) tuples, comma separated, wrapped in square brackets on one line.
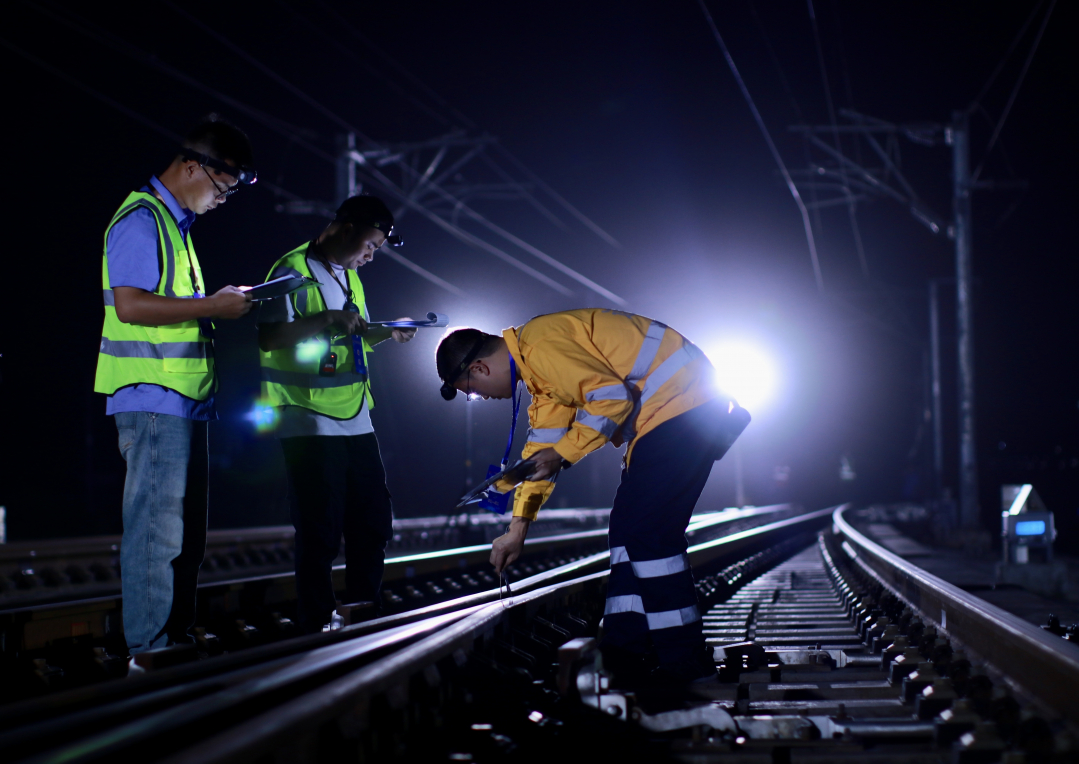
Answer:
[(369, 211)]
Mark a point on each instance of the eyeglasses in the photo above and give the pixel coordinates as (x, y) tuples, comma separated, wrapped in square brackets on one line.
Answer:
[(229, 190)]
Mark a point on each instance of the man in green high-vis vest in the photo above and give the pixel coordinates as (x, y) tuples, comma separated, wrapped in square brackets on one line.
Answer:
[(156, 365), (314, 347)]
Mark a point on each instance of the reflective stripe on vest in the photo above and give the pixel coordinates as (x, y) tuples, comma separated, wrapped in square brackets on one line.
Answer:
[(140, 349), (175, 356)]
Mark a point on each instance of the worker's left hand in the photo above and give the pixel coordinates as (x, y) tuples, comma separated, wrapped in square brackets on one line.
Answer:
[(548, 462), (508, 547), (404, 334)]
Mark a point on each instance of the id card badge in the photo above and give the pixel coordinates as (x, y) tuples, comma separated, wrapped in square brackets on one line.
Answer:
[(493, 501), (357, 354), (357, 342)]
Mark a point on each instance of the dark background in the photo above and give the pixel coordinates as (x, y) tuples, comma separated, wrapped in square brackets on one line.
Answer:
[(630, 112)]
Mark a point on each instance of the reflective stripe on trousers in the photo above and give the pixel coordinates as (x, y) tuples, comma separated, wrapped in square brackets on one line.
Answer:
[(665, 619), (633, 603)]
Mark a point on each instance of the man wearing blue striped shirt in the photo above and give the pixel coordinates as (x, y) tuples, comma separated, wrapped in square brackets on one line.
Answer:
[(156, 366)]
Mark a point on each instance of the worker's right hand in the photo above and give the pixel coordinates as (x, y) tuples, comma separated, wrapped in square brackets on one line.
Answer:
[(230, 302), (346, 322)]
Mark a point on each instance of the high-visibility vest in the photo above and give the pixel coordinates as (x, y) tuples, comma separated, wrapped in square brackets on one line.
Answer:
[(176, 356), (290, 376)]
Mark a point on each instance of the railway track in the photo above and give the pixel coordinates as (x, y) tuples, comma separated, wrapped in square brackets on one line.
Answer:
[(28, 725), (829, 649)]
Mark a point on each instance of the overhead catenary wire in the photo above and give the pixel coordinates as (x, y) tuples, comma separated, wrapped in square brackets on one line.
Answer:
[(851, 211), (1015, 92), (101, 36), (1004, 59), (558, 198), (392, 188), (771, 146), (177, 139)]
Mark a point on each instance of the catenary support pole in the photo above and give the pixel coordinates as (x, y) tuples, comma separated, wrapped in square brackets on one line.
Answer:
[(935, 391), (968, 462)]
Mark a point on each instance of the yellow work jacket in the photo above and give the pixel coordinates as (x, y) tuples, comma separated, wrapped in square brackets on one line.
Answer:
[(601, 375)]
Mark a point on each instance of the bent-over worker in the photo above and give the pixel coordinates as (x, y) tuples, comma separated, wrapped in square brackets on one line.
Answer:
[(597, 376)]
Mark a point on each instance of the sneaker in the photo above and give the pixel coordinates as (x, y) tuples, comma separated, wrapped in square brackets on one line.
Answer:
[(134, 669), (336, 622)]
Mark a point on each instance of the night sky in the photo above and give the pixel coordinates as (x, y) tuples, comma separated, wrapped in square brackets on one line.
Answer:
[(629, 112)]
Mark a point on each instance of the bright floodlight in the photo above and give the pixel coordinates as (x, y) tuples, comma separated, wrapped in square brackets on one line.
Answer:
[(745, 372)]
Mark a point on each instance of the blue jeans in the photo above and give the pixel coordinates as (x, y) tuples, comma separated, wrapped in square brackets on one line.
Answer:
[(165, 501)]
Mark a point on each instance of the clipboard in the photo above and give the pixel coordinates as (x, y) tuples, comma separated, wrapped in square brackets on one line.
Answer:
[(433, 321), (279, 287), (515, 473)]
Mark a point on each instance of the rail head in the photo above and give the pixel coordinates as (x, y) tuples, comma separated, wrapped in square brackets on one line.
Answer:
[(1041, 664)]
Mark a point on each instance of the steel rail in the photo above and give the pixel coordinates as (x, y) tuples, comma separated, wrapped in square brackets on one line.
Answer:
[(32, 626), (348, 699), (1043, 665), (173, 696)]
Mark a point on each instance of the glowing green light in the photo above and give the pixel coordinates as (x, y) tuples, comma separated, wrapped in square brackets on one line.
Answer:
[(263, 416), (311, 351)]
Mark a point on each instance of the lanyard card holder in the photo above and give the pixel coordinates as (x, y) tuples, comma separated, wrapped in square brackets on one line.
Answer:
[(492, 500), (357, 341)]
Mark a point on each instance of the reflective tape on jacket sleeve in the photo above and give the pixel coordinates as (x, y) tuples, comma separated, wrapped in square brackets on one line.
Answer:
[(624, 603), (619, 554), (668, 369), (669, 619), (601, 424), (647, 354), (547, 434), (160, 350), (616, 392), (656, 568), (311, 381)]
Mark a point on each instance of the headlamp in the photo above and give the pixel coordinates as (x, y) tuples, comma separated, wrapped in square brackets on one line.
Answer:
[(449, 392), (244, 175), (392, 239)]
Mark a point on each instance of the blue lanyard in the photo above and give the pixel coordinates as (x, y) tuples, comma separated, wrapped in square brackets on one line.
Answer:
[(516, 410)]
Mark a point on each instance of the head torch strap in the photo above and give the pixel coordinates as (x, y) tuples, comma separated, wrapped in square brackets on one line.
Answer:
[(244, 175)]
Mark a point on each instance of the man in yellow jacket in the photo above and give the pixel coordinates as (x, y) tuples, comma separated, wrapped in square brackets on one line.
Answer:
[(597, 376)]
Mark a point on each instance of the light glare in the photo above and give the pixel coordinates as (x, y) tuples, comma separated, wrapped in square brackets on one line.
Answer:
[(745, 372)]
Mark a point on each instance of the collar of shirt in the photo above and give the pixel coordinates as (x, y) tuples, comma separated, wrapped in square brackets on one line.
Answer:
[(184, 217), (513, 345)]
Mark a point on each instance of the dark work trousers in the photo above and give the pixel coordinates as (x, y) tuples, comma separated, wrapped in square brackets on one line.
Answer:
[(337, 485), (650, 595)]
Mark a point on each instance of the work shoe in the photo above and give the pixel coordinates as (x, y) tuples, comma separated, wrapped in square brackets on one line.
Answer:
[(134, 669), (336, 622)]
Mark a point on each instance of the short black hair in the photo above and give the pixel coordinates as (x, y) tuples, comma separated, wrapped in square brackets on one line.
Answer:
[(220, 139), (454, 346), (365, 210)]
